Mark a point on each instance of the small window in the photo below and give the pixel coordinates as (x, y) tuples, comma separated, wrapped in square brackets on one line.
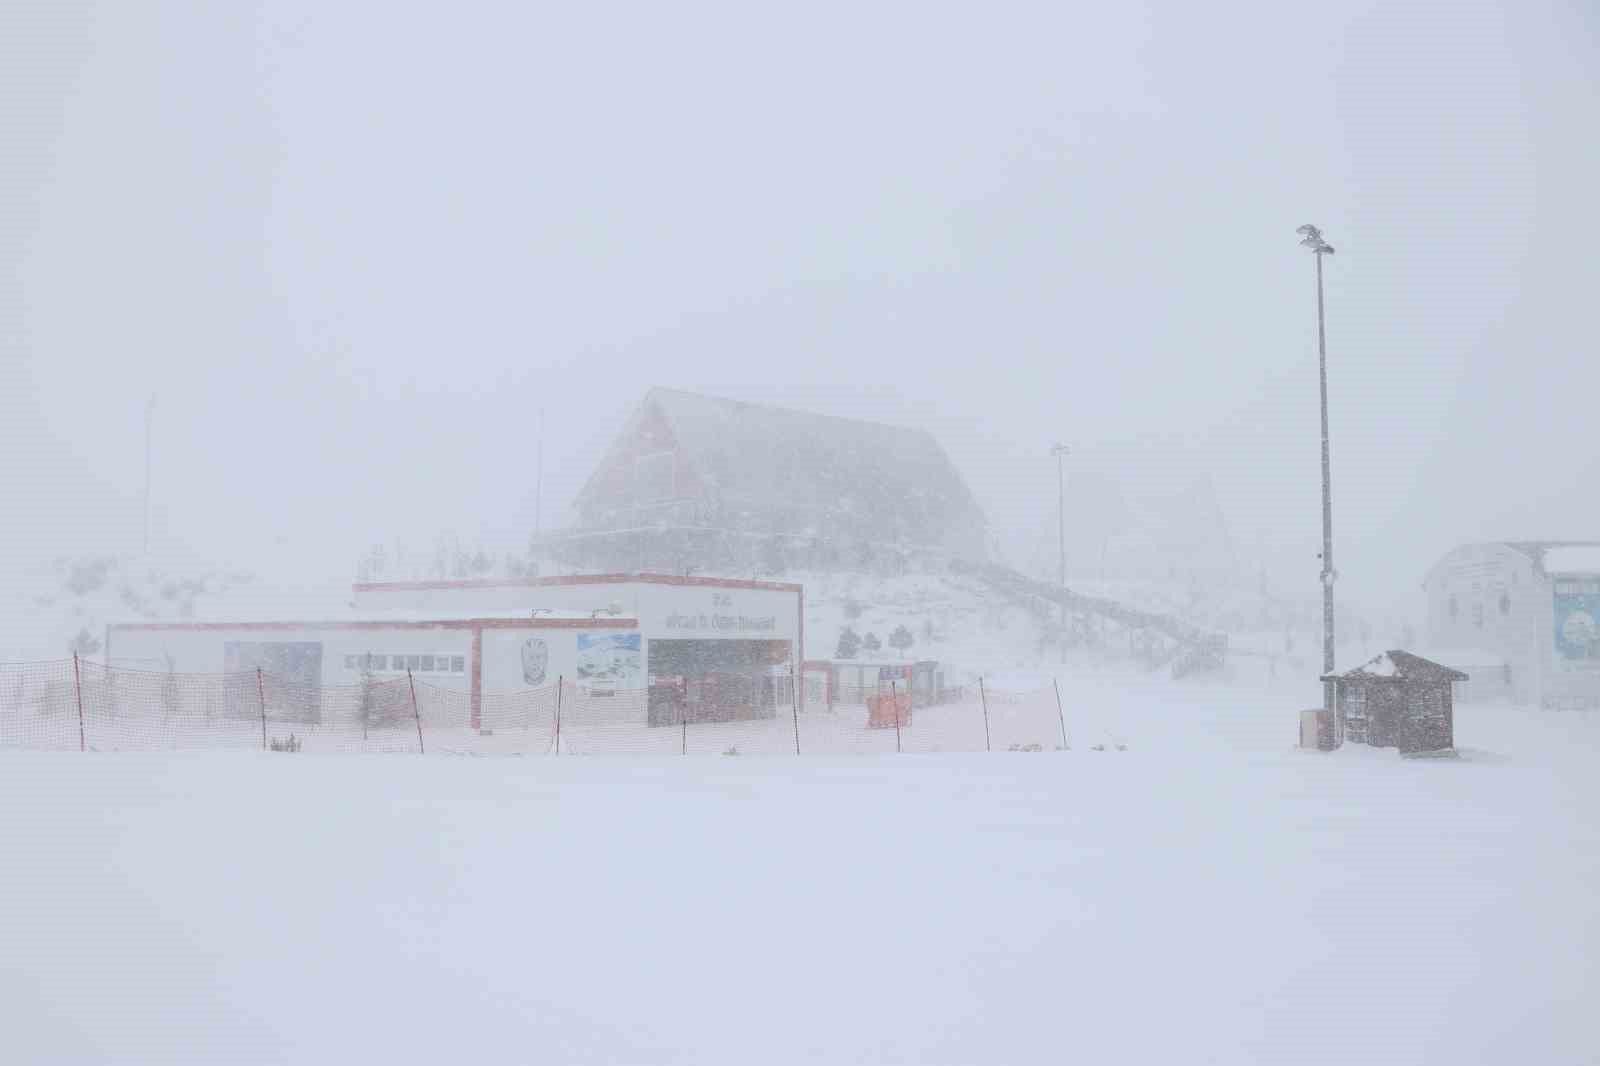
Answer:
[(426, 665), (413, 662), (378, 662), (458, 665)]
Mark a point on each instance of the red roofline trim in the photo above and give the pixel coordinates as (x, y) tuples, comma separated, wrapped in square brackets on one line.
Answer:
[(453, 623), (577, 579)]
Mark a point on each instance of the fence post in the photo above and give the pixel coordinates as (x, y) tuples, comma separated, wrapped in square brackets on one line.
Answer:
[(421, 750), (560, 684), (1060, 714), (894, 704), (683, 720), (794, 706), (983, 695), (261, 697), (77, 685)]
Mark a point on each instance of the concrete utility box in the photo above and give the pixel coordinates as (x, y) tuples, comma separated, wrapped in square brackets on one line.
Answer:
[(1316, 730), (1398, 700)]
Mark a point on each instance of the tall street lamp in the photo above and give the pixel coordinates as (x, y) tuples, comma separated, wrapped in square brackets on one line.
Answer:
[(1060, 451), (1311, 237)]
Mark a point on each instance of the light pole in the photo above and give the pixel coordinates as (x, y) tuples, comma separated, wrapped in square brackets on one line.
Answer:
[(1060, 451), (149, 418), (1311, 237)]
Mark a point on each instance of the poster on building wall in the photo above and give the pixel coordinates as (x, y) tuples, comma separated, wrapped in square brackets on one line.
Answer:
[(294, 666), (535, 661), (609, 659), (1577, 623)]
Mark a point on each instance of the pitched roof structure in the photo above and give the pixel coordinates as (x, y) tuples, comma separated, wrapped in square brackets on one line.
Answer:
[(760, 457), (1402, 666)]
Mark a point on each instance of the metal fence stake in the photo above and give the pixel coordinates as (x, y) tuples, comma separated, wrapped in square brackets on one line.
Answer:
[(794, 706), (983, 695), (894, 704), (77, 684), (1060, 714), (421, 750)]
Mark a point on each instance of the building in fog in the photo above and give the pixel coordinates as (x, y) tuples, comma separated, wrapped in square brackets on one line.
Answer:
[(700, 648), (1520, 618), (712, 482)]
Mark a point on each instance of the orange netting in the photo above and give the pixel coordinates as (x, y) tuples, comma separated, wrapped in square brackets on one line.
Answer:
[(79, 705)]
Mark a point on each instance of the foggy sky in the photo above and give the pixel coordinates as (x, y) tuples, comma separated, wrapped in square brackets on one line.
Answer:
[(354, 249)]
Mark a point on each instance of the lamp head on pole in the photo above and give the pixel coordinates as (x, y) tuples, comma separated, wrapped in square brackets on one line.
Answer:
[(1059, 450), (1311, 237)]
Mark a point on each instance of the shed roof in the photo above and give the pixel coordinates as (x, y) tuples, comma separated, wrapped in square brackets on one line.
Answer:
[(1399, 665)]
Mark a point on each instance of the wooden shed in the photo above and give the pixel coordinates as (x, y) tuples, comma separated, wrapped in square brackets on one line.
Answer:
[(1398, 700)]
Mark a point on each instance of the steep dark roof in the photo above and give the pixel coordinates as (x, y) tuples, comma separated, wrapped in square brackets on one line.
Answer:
[(762, 456), (1401, 665)]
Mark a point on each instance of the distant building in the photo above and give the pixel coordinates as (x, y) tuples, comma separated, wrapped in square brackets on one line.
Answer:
[(1521, 618), (721, 482)]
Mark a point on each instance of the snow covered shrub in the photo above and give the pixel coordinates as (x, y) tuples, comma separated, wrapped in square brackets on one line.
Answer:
[(292, 743), (901, 639), (87, 575), (84, 643), (849, 644)]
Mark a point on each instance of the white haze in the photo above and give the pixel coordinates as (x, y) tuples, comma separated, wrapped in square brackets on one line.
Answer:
[(355, 249)]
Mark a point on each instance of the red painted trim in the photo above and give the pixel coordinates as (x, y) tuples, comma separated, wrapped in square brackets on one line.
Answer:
[(578, 579), (453, 623), (477, 678)]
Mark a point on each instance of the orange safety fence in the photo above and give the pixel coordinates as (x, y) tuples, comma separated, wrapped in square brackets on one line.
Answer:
[(78, 705)]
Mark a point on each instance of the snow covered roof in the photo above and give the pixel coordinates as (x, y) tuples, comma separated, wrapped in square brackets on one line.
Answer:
[(1572, 559), (1402, 665), (771, 457), (1466, 658)]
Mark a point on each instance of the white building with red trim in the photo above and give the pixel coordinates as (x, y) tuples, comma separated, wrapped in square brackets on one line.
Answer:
[(707, 648)]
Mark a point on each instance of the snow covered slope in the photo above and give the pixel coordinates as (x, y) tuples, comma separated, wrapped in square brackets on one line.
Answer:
[(45, 609), (1234, 904)]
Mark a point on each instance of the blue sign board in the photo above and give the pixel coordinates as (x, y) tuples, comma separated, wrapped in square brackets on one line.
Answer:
[(1577, 620)]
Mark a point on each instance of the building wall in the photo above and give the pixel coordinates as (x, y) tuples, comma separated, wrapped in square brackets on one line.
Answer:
[(202, 649), (668, 608), (1495, 598), (512, 657), (1492, 598)]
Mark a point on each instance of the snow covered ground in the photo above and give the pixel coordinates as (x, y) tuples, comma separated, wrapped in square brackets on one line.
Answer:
[(1209, 894)]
